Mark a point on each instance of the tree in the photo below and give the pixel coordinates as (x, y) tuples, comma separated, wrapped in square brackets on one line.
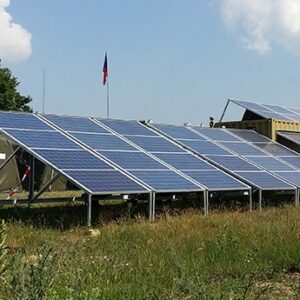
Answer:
[(10, 98)]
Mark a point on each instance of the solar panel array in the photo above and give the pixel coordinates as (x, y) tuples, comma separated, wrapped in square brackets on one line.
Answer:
[(274, 157), (271, 111), (122, 154), (251, 151), (175, 156), (204, 145), (52, 147)]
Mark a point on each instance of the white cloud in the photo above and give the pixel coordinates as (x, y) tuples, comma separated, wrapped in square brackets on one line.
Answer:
[(263, 23), (15, 41)]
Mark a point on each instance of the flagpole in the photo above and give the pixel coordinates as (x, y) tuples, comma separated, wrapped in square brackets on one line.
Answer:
[(107, 98)]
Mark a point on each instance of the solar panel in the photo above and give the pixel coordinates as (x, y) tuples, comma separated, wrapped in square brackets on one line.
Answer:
[(248, 150), (228, 160), (292, 136), (270, 111), (184, 161), (293, 177), (127, 127), (216, 134), (270, 163), (75, 159), (154, 144), (58, 151), (242, 148), (275, 149), (176, 156), (249, 135), (233, 163), (75, 124), (103, 141), (133, 160), (125, 156)]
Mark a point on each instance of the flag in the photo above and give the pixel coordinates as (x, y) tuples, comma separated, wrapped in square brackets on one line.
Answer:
[(105, 70)]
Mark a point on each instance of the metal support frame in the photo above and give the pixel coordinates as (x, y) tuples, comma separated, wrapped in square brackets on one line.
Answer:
[(250, 201), (206, 202), (260, 200), (151, 206), (9, 158), (223, 113), (89, 211), (297, 194), (45, 187), (31, 178)]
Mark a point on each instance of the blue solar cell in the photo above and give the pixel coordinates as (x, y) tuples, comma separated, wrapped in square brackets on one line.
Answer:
[(105, 181), (216, 134), (272, 115), (292, 177), (21, 121), (178, 132), (242, 148), (127, 127), (249, 135), (184, 161), (293, 160), (278, 109), (73, 159), (75, 124), (103, 141), (270, 163), (165, 180), (249, 105), (233, 163), (42, 139), (264, 180), (205, 147), (215, 179), (275, 149), (133, 160), (155, 144)]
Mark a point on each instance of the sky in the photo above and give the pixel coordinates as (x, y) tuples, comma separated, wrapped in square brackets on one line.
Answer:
[(168, 61)]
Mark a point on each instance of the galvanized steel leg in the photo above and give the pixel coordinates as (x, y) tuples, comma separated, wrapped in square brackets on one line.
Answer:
[(150, 206), (297, 197), (89, 213), (153, 207), (9, 158), (31, 178), (260, 200), (250, 200), (204, 203)]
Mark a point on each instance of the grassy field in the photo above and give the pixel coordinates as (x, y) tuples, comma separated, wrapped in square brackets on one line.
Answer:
[(49, 254)]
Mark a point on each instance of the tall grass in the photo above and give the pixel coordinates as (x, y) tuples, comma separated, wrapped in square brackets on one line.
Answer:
[(225, 256)]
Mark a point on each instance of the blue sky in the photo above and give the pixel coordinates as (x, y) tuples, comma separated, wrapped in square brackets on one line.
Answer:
[(169, 61)]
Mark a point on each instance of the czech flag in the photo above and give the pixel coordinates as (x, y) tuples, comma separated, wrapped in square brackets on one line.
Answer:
[(105, 70)]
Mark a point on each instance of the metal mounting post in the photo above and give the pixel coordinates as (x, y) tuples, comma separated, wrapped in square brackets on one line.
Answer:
[(153, 207), (250, 200), (89, 212), (31, 178), (260, 200), (297, 197)]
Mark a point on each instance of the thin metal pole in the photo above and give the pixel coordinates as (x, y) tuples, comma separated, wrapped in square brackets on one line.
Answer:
[(107, 98), (205, 202), (31, 178), (150, 206), (260, 200), (89, 215), (250, 200), (297, 197), (153, 207), (222, 116), (44, 89)]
